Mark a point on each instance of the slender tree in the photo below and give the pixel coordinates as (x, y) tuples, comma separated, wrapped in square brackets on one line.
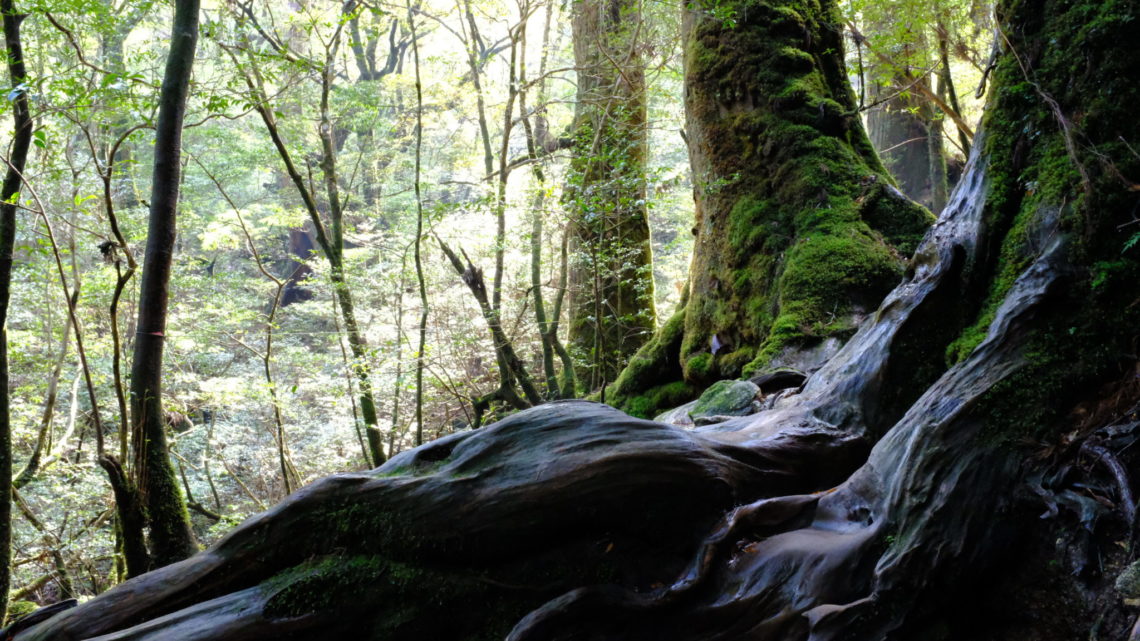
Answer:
[(169, 524), (9, 196), (330, 232), (420, 282)]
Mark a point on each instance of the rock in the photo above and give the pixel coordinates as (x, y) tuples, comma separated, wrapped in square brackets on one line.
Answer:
[(725, 398), (1128, 584), (770, 381), (678, 416)]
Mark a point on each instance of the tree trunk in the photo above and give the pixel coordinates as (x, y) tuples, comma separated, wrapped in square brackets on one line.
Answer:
[(10, 193), (169, 525), (798, 227), (891, 498), (909, 140), (612, 311)]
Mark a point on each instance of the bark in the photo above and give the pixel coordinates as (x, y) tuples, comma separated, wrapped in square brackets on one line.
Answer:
[(10, 192), (168, 523), (799, 229), (419, 239), (612, 311), (892, 498), (909, 139)]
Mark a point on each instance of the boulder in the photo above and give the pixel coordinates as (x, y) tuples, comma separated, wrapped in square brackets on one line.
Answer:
[(725, 398)]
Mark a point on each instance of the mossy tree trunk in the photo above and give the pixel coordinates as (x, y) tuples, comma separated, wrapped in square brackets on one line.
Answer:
[(892, 498), (170, 535), (799, 230), (612, 311)]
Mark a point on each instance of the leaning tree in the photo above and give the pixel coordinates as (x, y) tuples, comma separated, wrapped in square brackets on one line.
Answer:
[(894, 497)]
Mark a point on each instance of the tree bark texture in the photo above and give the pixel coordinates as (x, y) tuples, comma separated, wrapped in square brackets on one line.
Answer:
[(937, 463), (10, 192), (169, 525), (799, 229), (612, 311)]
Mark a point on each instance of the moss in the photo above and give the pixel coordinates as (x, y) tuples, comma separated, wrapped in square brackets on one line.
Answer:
[(21, 608), (390, 600), (318, 585), (655, 365), (1086, 330), (699, 367), (1128, 582), (659, 398), (725, 398), (797, 226), (888, 211)]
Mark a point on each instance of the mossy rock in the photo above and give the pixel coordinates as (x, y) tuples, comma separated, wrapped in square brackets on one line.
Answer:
[(725, 398)]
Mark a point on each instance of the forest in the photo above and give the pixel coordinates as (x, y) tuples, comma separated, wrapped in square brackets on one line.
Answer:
[(581, 320)]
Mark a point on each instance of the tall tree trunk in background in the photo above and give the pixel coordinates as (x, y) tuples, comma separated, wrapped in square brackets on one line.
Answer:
[(9, 193), (612, 311), (332, 244), (907, 132), (799, 231), (169, 525)]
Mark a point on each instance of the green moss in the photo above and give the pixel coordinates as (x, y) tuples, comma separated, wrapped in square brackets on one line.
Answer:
[(887, 210), (654, 366), (318, 585), (659, 398), (725, 398), (699, 367), (796, 228), (21, 608), (1083, 333)]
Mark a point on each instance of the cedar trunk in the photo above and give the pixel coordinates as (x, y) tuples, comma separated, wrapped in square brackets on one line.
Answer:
[(612, 311), (799, 229)]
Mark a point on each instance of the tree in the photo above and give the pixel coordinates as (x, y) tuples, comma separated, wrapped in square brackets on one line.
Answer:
[(169, 526), (611, 277), (9, 200), (799, 229), (893, 491), (902, 49), (328, 222)]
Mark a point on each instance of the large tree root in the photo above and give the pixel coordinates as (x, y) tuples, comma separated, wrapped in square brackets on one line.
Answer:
[(604, 526), (501, 518)]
